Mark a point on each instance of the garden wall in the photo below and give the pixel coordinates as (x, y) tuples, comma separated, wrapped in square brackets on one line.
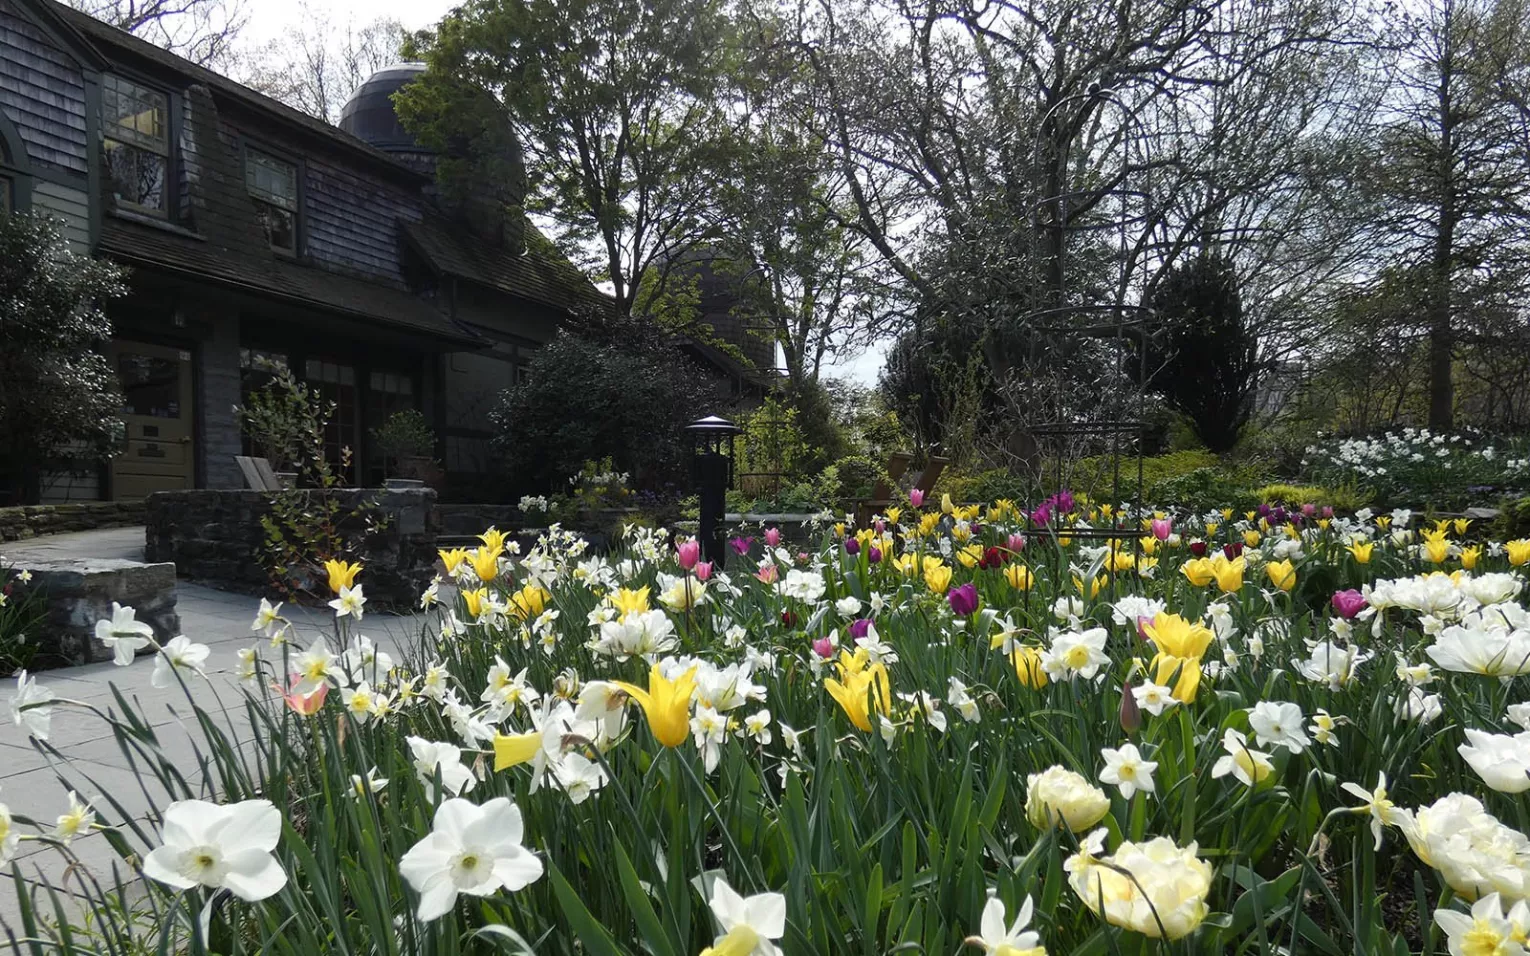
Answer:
[(215, 536), (29, 521)]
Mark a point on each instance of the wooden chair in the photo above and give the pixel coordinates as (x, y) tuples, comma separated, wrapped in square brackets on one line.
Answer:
[(931, 474), (258, 474), (881, 495)]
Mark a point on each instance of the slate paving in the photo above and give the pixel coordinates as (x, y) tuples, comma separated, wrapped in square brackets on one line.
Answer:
[(34, 782)]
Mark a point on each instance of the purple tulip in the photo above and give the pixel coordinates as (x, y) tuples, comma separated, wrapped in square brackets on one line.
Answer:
[(1131, 714), (1348, 603), (859, 628), (742, 545), (964, 600), (852, 546), (874, 555)]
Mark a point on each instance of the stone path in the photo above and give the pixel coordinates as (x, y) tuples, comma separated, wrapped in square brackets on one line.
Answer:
[(35, 784)]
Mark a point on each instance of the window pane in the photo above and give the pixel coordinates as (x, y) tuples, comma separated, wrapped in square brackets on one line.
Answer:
[(5, 194), (278, 225), (137, 175), (151, 385), (271, 179), (135, 113)]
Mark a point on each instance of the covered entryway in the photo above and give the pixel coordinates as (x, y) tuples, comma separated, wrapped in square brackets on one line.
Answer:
[(157, 410)]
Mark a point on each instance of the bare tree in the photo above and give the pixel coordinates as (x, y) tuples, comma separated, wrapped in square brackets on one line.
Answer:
[(202, 31), (319, 63)]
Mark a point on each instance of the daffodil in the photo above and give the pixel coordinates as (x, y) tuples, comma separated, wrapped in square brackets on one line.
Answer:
[(341, 574), (859, 682), (1181, 645), (666, 703)]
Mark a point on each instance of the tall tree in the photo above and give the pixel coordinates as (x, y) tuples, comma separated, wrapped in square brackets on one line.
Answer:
[(617, 109), (318, 63), (203, 31)]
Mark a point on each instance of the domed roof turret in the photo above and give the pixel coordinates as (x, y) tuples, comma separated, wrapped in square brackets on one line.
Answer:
[(369, 115)]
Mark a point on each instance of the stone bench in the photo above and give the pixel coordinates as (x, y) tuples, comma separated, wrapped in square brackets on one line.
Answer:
[(80, 591)]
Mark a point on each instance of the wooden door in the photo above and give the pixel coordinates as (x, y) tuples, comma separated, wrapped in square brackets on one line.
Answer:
[(156, 407)]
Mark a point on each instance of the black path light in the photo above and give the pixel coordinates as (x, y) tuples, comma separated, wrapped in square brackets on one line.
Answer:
[(711, 444)]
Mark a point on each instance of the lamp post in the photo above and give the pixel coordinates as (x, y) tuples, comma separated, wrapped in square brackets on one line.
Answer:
[(711, 445)]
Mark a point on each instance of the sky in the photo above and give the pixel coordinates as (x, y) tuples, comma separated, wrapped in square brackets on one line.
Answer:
[(269, 18)]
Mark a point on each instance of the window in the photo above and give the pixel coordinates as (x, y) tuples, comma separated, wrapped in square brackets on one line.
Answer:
[(5, 196), (272, 184), (136, 125), (337, 383)]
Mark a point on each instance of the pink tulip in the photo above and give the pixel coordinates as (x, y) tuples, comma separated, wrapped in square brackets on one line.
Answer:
[(1162, 528), (773, 537), (1348, 603), (703, 570), (305, 704), (1143, 623), (880, 526), (1309, 510), (1016, 542), (1328, 511), (824, 648), (688, 552), (916, 498), (767, 574)]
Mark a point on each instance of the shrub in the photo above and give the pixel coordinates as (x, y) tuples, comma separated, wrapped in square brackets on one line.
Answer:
[(1417, 468), (1343, 499), (851, 478), (405, 434), (1204, 489), (988, 486), (585, 400), (1095, 476)]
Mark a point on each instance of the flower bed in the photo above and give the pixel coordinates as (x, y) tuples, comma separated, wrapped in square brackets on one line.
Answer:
[(1063, 728)]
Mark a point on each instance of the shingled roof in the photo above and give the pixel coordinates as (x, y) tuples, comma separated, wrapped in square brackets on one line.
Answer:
[(541, 274)]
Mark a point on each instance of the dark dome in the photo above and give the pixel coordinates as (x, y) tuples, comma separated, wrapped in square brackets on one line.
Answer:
[(369, 115)]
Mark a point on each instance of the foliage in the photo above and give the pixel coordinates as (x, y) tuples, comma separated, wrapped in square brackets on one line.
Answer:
[(279, 417), (60, 401), (23, 610), (992, 484), (1204, 489), (1208, 369), (851, 478), (771, 442), (1418, 468), (1342, 500), (405, 434), (584, 400), (1096, 475)]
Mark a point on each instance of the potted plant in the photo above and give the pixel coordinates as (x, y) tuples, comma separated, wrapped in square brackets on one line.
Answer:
[(406, 441), (281, 419)]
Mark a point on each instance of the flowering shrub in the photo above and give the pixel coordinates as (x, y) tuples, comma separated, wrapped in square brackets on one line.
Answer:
[(1198, 732), (1415, 467)]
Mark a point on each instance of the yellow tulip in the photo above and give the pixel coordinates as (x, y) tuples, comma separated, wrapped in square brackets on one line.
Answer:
[(630, 601), (839, 529), (1019, 577), (1361, 551), (1282, 574), (1145, 566), (1292, 533), (528, 602), (907, 563), (928, 523), (494, 540), (1107, 510), (341, 574), (1323, 523), (937, 578), (1064, 540), (1149, 544), (1470, 557), (1227, 514), (1211, 529), (945, 504), (970, 555), (453, 558), (666, 703), (1093, 588), (1198, 572), (512, 750), (1250, 515), (861, 685), (1461, 525), (1119, 561), (1383, 522), (485, 562), (1228, 574), (1436, 550), (893, 514), (1252, 538), (1519, 551), (475, 601), (1181, 645), (1028, 667)]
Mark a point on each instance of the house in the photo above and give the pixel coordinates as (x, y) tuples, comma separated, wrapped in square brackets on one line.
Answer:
[(255, 233)]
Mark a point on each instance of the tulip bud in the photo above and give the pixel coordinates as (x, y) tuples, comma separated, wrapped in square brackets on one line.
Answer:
[(1016, 542), (852, 546), (824, 648), (1198, 548), (1131, 714), (773, 536), (788, 619), (688, 552), (916, 498), (703, 570), (874, 555)]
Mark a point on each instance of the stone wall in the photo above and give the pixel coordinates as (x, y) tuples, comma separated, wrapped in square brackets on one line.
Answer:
[(215, 536), (80, 592), (29, 521)]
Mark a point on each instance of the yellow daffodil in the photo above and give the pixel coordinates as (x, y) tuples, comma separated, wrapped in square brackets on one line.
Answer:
[(512, 750), (1198, 572), (529, 602), (1019, 577), (666, 703), (1518, 551), (1282, 574), (475, 600), (452, 559), (861, 686), (1181, 645), (1228, 574), (1361, 550), (937, 577), (494, 540), (341, 574), (485, 562), (1470, 556), (630, 601), (1028, 667)]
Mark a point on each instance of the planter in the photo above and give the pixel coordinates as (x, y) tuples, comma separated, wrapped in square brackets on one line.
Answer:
[(288, 479), (415, 467), (402, 484)]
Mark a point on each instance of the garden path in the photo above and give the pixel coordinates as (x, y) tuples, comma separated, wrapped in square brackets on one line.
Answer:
[(35, 783)]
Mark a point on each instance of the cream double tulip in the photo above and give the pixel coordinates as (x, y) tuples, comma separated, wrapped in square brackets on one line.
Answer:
[(1060, 797), (1153, 888)]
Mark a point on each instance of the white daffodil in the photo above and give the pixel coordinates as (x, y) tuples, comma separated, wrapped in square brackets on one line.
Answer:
[(748, 925), (1249, 766), (179, 654), (349, 603), (471, 849), (371, 783), (579, 776), (10, 837), (79, 818), (228, 847), (1279, 724), (1000, 940), (123, 634), (1488, 930), (31, 706), (1376, 804), (757, 727), (1127, 771), (431, 757), (1154, 698), (962, 702), (268, 619)]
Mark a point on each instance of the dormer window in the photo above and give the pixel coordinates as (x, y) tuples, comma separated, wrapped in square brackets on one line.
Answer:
[(273, 186), (135, 126)]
